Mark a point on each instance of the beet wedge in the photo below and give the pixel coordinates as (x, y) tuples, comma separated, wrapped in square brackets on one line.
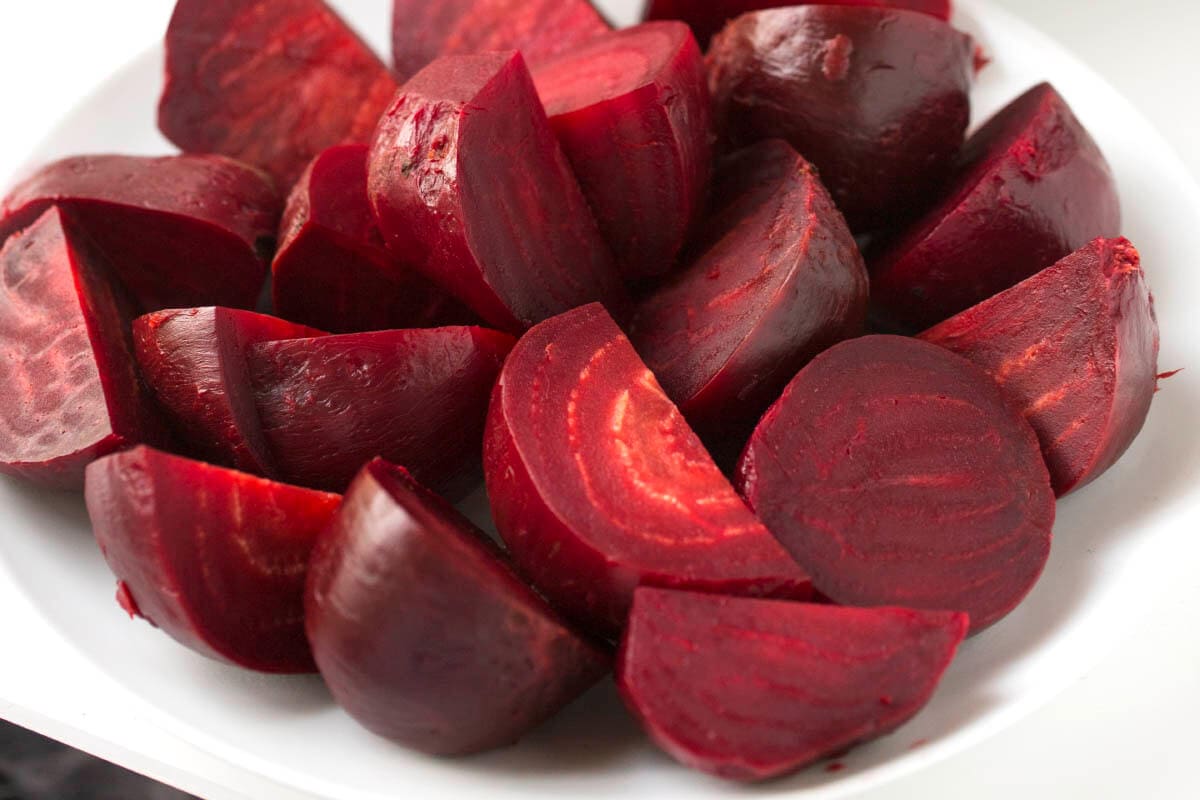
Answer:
[(73, 392), (466, 171), (1031, 187), (424, 633), (215, 558), (268, 82), (179, 230), (755, 689), (1075, 347), (633, 114), (598, 485)]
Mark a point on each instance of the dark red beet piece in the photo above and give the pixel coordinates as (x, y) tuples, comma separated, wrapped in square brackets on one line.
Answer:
[(424, 633), (215, 558), (1032, 188), (269, 82), (633, 114), (596, 481), (1075, 347), (846, 87), (465, 170), (755, 689), (179, 231)]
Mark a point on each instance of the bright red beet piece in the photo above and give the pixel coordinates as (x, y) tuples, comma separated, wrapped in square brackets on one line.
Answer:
[(424, 633), (755, 689), (596, 481), (179, 231), (1032, 188), (269, 82), (1075, 347), (633, 114), (897, 473), (215, 558), (466, 171)]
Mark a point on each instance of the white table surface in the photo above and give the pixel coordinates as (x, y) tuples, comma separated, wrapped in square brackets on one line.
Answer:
[(1128, 730)]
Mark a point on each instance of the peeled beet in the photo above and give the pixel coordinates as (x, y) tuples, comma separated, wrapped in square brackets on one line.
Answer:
[(215, 558), (897, 473), (424, 633), (632, 112), (269, 82), (877, 99), (598, 485), (179, 231), (466, 172), (1075, 348), (1032, 187), (755, 689)]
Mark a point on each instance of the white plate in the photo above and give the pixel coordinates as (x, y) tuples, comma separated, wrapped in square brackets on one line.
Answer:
[(1101, 577)]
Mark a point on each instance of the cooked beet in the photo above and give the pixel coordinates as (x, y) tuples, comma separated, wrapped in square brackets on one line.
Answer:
[(424, 633), (754, 689), (217, 559), (465, 170), (416, 397), (597, 482), (269, 82), (1075, 347), (897, 473), (877, 99), (632, 112), (1032, 187), (179, 231)]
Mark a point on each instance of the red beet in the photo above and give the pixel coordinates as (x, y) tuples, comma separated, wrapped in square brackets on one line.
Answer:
[(1075, 347), (269, 82), (215, 558), (180, 230), (754, 689), (1032, 187), (596, 481), (633, 114), (877, 99), (897, 473), (422, 630), (465, 170)]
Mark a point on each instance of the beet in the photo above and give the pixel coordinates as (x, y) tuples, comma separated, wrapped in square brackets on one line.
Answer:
[(1032, 187), (844, 85), (1075, 347), (754, 689), (596, 481), (633, 114), (269, 82), (897, 473), (180, 230), (422, 630), (466, 171)]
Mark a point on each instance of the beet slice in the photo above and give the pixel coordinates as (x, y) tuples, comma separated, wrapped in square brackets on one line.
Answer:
[(180, 230), (596, 481), (215, 558), (1032, 188), (755, 689), (269, 82), (465, 170), (425, 634), (416, 397), (1075, 347), (897, 473), (633, 114)]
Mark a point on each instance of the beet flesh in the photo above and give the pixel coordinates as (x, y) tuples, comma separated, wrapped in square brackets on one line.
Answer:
[(424, 633), (179, 230), (896, 472), (1031, 187), (465, 171)]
